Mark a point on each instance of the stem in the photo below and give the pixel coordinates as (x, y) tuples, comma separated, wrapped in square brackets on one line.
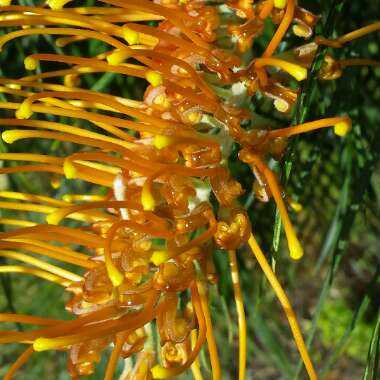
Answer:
[(240, 313), (288, 309)]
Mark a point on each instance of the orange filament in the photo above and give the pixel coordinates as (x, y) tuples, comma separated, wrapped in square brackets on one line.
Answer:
[(114, 274), (45, 210), (96, 98), (359, 62), (281, 30), (35, 272), (77, 70), (118, 14), (64, 41), (127, 322), (211, 343), (55, 87), (17, 222), (21, 360), (92, 63), (62, 31), (28, 319), (195, 367), (122, 163), (178, 62), (240, 313), (85, 165), (58, 253), (297, 71), (63, 251), (89, 177), (151, 7), (174, 17), (54, 17), (41, 264), (359, 33), (27, 207), (32, 168), (51, 20), (163, 36), (284, 301), (266, 9), (295, 248), (88, 116), (307, 127), (31, 197), (63, 327), (62, 128), (14, 135), (56, 216), (30, 157), (83, 197), (59, 233), (111, 366)]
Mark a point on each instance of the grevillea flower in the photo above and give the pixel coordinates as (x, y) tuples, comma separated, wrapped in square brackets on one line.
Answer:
[(146, 256)]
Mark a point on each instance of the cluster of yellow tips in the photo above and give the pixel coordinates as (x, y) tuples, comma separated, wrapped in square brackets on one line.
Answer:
[(148, 240)]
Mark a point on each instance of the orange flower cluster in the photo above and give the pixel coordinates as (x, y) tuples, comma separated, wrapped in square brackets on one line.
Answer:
[(147, 244)]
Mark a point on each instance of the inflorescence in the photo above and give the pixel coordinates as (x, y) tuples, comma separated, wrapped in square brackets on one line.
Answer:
[(147, 244)]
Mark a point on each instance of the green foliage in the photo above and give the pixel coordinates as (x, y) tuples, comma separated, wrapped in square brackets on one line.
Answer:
[(338, 184), (333, 323)]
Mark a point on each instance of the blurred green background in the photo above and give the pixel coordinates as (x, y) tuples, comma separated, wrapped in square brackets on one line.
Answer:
[(334, 288)]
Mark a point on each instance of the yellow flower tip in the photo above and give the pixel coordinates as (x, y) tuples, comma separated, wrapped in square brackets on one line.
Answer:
[(300, 31), (159, 257), (60, 42), (297, 207), (57, 4), (69, 169), (281, 4), (53, 218), (30, 63), (281, 105), (154, 78), (5, 3), (24, 111), (41, 344), (162, 100), (343, 127), (160, 141), (295, 248), (14, 86), (131, 36), (71, 80), (67, 198), (147, 199), (117, 57), (298, 72), (115, 275), (55, 183), (159, 372), (10, 136), (194, 117)]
